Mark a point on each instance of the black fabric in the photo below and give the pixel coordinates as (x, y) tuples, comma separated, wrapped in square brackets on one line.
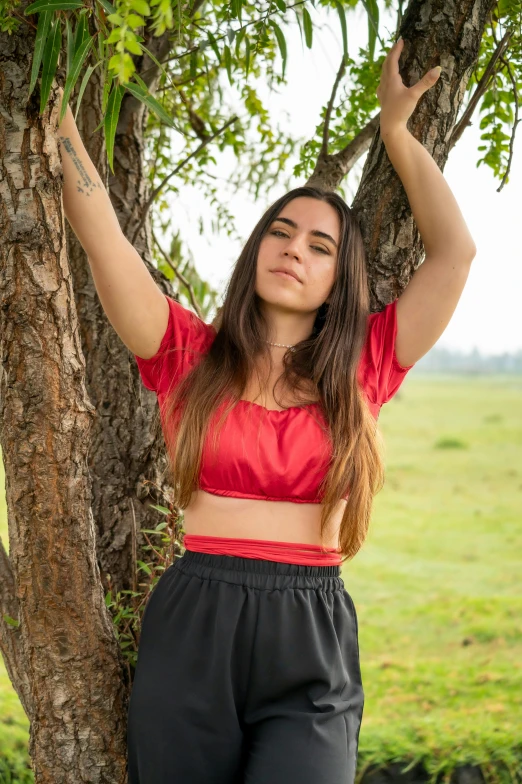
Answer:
[(247, 672)]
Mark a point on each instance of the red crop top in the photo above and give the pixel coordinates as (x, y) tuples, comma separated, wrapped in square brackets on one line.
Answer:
[(268, 454)]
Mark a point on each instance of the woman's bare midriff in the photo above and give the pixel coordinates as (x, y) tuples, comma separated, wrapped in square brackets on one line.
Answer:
[(246, 518)]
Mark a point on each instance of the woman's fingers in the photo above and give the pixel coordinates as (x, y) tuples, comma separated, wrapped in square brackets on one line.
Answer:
[(391, 61)]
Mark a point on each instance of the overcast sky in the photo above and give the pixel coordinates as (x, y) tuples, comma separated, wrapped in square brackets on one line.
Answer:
[(488, 315)]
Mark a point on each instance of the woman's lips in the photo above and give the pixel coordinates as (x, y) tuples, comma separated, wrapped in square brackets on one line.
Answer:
[(285, 275)]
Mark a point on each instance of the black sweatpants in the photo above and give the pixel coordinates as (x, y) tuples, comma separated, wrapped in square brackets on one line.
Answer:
[(247, 671)]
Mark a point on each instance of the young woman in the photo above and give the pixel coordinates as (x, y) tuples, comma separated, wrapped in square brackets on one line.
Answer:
[(248, 664)]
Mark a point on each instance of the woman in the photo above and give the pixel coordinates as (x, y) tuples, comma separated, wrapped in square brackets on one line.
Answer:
[(248, 662)]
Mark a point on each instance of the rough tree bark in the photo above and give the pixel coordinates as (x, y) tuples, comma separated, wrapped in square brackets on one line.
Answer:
[(435, 32), (63, 658), (114, 447)]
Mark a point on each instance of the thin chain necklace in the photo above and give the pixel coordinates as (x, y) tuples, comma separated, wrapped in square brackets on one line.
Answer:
[(282, 345)]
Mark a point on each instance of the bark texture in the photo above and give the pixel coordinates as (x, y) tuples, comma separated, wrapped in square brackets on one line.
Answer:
[(445, 32), (63, 657)]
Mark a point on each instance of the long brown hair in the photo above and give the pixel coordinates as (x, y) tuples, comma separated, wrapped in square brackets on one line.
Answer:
[(325, 365)]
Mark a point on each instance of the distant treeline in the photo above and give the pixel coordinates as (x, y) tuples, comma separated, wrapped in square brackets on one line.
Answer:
[(451, 361)]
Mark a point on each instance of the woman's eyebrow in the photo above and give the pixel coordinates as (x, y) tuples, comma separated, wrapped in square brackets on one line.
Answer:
[(315, 232)]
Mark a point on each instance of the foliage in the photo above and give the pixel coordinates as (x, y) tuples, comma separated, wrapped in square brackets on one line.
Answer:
[(127, 607), (355, 108), (499, 104), (219, 51)]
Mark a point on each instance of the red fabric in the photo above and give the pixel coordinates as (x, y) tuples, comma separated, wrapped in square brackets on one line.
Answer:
[(264, 454), (284, 552)]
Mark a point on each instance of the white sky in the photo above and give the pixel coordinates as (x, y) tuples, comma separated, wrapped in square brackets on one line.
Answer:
[(488, 316)]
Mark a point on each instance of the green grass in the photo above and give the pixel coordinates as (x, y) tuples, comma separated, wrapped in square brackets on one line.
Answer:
[(437, 585)]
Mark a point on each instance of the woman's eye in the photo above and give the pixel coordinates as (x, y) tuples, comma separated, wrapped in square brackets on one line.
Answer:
[(315, 247)]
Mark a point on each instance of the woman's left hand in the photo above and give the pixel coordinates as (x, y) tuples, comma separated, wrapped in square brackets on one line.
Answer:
[(398, 101)]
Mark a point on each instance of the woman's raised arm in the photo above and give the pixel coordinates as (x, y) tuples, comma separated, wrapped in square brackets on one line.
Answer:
[(132, 301)]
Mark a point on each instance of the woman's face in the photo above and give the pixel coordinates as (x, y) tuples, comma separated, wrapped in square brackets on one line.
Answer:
[(290, 242)]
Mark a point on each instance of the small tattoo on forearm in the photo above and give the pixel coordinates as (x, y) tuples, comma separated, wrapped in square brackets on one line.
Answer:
[(85, 184)]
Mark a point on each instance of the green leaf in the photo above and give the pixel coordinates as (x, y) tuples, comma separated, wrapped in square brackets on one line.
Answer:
[(116, 35), (344, 26), (372, 9), (11, 621), (52, 5), (193, 63), (108, 7), (231, 34), (214, 45), (85, 80), (281, 5), (282, 43), (133, 47), (155, 61), (239, 9), (44, 25), (111, 120), (163, 509), (74, 73), (141, 7), (121, 64), (82, 31), (247, 55), (134, 21), (228, 63), (308, 27), (239, 40), (70, 45), (140, 91), (151, 530), (145, 567), (50, 61)]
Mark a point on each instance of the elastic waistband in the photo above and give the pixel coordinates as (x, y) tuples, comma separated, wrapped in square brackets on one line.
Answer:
[(282, 552), (258, 573)]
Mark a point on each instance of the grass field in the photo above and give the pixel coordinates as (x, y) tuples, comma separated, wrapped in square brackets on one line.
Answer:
[(437, 585)]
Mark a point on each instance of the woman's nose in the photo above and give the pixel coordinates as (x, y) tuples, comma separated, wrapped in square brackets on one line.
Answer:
[(294, 249)]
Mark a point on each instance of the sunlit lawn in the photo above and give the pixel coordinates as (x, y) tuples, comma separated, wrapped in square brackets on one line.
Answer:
[(438, 582), (437, 585)]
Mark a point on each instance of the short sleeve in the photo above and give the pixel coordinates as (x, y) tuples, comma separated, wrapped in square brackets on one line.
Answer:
[(186, 337), (382, 375)]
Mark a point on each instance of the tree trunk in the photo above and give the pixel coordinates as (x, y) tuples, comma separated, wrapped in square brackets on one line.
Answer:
[(63, 656), (435, 32)]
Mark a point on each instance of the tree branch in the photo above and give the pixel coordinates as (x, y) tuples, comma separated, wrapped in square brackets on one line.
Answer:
[(515, 124), (331, 169), (326, 128), (197, 124), (180, 276), (242, 27), (482, 86), (175, 171), (391, 238), (10, 638)]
